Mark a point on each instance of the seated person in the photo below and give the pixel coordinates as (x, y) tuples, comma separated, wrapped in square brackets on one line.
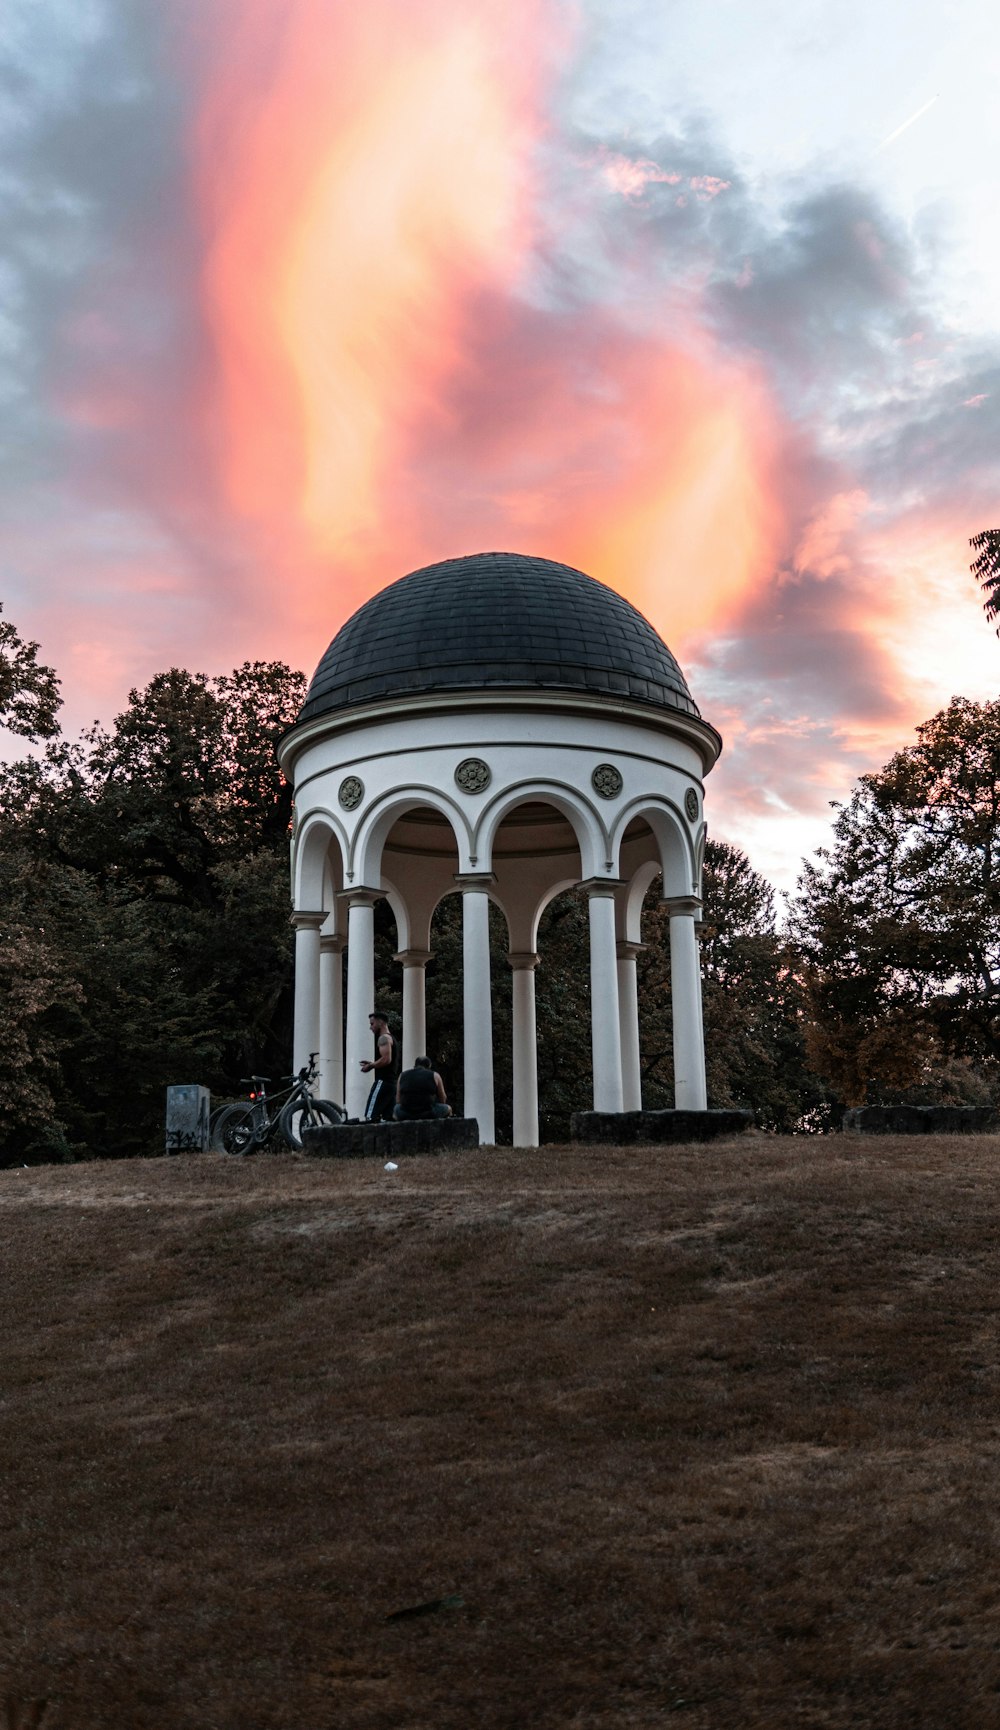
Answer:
[(420, 1093)]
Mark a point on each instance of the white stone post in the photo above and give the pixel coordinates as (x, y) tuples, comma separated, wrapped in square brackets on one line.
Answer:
[(525, 1048), (477, 1004), (414, 965), (331, 1017), (690, 1093), (305, 1036), (360, 996), (628, 1020), (605, 1027)]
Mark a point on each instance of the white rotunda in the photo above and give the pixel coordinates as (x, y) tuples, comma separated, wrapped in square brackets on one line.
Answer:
[(506, 728)]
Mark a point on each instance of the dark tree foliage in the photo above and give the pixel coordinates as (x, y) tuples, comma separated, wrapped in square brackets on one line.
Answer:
[(986, 570), (753, 1000), (898, 921), (145, 871), (29, 692)]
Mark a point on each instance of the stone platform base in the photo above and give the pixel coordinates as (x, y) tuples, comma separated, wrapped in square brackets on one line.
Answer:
[(390, 1140), (921, 1120), (621, 1128)]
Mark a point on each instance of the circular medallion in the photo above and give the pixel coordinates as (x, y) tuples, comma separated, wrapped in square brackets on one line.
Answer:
[(473, 775), (691, 803), (351, 793), (607, 781)]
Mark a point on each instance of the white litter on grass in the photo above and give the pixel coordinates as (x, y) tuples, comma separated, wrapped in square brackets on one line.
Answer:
[(391, 1165)]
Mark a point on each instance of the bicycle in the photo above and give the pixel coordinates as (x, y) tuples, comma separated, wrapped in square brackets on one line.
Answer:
[(243, 1129)]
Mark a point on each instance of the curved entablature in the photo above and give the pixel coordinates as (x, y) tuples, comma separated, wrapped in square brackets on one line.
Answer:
[(691, 730)]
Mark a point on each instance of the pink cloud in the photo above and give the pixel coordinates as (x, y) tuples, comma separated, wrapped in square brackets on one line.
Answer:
[(630, 176), (707, 186)]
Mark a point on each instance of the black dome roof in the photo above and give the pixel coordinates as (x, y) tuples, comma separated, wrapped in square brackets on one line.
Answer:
[(496, 619)]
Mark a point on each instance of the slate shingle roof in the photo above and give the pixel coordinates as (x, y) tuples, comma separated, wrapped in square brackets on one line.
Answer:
[(495, 620)]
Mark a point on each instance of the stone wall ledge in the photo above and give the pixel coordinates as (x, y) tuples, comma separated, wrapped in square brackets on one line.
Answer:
[(390, 1140), (921, 1120), (622, 1128)]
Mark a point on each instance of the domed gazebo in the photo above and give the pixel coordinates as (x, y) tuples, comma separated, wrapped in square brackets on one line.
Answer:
[(504, 727)]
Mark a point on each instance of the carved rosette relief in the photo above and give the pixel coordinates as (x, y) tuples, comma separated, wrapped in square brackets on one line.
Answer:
[(606, 780), (351, 792), (691, 804), (473, 775)]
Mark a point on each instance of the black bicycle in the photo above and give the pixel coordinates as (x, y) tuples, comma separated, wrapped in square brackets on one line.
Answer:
[(249, 1127)]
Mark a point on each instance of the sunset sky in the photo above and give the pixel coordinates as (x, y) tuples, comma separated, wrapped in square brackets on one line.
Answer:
[(698, 295)]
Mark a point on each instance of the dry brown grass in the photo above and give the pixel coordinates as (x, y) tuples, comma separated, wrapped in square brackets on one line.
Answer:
[(705, 1437)]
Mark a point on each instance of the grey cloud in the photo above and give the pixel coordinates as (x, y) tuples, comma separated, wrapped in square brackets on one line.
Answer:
[(805, 644), (944, 440), (90, 146), (825, 294)]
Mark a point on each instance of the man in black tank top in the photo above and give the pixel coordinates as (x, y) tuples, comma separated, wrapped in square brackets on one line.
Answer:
[(383, 1071), (420, 1093)]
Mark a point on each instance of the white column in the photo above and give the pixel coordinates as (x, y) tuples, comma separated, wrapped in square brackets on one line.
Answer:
[(477, 1005), (690, 1093), (605, 1030), (628, 1021), (305, 1036), (525, 1049), (360, 996), (414, 965), (331, 1018)]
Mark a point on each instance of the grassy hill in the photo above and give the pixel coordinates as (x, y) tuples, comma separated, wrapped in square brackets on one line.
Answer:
[(706, 1437)]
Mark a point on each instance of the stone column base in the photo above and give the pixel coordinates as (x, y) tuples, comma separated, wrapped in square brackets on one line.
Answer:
[(921, 1120), (390, 1140), (623, 1128)]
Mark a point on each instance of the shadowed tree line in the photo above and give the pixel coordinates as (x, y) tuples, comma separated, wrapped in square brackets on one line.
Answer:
[(144, 931)]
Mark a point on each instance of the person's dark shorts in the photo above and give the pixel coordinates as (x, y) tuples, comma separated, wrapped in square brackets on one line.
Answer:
[(380, 1101)]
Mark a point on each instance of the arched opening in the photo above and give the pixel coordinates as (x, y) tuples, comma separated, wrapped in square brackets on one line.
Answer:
[(536, 857)]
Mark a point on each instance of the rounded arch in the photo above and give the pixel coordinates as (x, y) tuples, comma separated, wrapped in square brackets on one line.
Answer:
[(629, 906), (548, 895), (492, 895), (592, 837), (319, 852), (400, 912), (364, 860), (674, 841)]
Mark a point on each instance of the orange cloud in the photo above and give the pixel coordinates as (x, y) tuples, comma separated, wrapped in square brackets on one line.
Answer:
[(360, 171), (825, 547)]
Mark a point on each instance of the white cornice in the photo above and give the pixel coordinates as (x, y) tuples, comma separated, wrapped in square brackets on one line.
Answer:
[(706, 741)]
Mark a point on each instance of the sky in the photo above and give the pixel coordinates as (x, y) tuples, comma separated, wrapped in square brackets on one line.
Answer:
[(697, 295)]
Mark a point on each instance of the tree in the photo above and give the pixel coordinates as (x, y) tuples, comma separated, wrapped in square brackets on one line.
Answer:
[(29, 692), (147, 865), (899, 920), (986, 570)]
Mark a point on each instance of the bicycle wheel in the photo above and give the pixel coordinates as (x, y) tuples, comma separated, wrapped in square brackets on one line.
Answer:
[(313, 1114), (236, 1129)]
